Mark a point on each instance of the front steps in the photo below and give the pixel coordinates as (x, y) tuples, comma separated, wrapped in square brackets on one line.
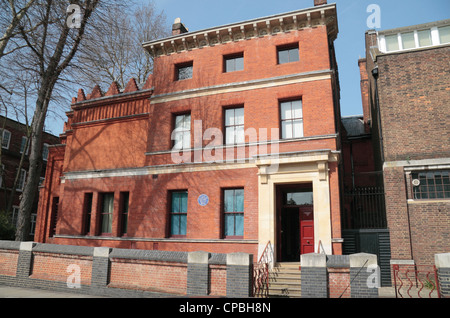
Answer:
[(285, 280)]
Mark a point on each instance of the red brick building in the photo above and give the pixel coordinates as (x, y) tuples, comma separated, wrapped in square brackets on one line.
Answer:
[(14, 144), (232, 143), (409, 110)]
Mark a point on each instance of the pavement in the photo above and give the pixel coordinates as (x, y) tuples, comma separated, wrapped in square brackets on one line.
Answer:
[(17, 292)]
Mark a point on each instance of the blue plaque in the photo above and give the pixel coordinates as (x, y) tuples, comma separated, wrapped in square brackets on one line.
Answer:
[(203, 199)]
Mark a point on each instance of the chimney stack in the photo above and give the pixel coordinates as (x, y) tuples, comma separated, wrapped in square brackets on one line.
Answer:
[(319, 2), (178, 27)]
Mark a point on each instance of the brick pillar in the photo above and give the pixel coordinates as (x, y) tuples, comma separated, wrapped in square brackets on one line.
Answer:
[(239, 275), (442, 262), (314, 275), (198, 274), (25, 259), (364, 275), (100, 267)]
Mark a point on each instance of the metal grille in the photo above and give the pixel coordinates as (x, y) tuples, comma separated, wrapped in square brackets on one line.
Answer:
[(364, 208)]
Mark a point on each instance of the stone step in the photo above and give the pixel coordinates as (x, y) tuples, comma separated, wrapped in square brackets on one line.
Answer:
[(285, 280)]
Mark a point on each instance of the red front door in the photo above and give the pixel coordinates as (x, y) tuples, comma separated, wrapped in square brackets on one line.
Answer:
[(306, 229)]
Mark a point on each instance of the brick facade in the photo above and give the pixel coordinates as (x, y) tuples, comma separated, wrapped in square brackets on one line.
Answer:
[(409, 113), (120, 142)]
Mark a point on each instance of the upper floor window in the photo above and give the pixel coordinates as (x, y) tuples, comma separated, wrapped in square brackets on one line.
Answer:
[(6, 138), (415, 39), (45, 152), (234, 62), (184, 71), (291, 119), (431, 184), (22, 180), (444, 34), (182, 132), (234, 126), (287, 54), (24, 145)]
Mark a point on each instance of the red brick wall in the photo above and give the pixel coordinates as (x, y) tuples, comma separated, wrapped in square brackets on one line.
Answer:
[(148, 275), (339, 283), (208, 61), (8, 262), (55, 267)]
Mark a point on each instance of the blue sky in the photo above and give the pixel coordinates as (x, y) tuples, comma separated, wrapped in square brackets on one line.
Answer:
[(352, 19)]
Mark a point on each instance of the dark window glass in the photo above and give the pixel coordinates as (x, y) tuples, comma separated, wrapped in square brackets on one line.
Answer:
[(288, 54), (178, 213), (431, 184), (184, 71), (234, 63)]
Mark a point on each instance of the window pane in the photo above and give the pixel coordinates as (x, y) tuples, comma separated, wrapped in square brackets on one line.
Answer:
[(229, 224), (239, 64), (239, 116), (286, 111), (283, 56), (297, 109), (106, 223), (239, 135), (183, 222), (297, 128), (239, 200), (229, 117), (392, 42), (424, 38), (408, 40), (228, 200), (183, 202), (239, 224), (294, 55), (286, 129), (229, 65), (174, 224), (229, 135), (444, 34)]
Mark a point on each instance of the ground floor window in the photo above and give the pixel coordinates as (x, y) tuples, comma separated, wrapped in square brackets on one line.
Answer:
[(106, 213), (431, 184), (178, 213), (233, 208)]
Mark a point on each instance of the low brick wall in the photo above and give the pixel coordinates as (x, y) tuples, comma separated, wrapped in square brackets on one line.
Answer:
[(338, 276), (124, 272)]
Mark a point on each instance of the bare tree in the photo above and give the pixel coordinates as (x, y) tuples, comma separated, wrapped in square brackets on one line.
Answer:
[(113, 51), (50, 49)]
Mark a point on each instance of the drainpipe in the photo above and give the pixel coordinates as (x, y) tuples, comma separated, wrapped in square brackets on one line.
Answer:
[(375, 74)]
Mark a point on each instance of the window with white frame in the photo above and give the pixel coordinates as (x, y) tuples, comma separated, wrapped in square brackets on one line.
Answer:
[(6, 138), (234, 126), (291, 119), (15, 214), (415, 39), (182, 133)]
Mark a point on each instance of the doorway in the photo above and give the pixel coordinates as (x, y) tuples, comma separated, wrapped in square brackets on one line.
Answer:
[(295, 216)]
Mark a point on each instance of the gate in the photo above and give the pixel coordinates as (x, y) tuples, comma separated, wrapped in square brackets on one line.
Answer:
[(415, 281)]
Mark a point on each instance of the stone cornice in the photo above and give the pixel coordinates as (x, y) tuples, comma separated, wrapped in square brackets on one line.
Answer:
[(295, 20)]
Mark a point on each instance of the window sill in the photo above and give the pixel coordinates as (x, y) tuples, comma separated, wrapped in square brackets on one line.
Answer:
[(424, 201)]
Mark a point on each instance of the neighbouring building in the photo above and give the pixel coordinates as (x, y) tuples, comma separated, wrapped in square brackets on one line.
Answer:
[(231, 144), (14, 144), (408, 108)]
